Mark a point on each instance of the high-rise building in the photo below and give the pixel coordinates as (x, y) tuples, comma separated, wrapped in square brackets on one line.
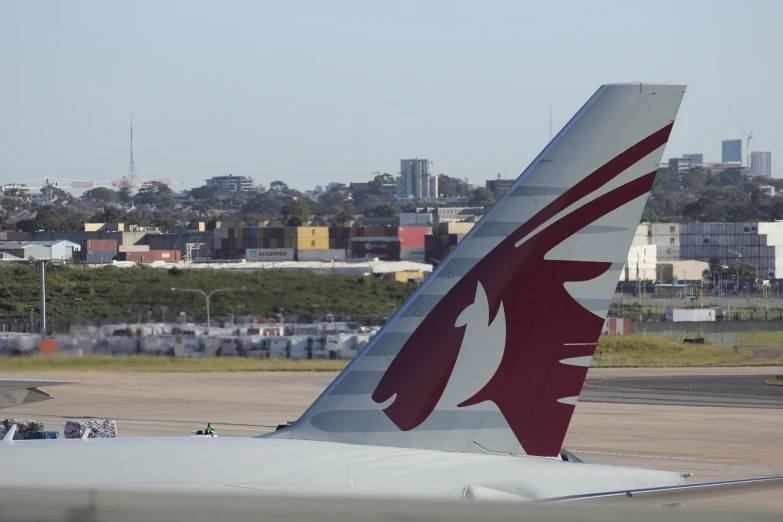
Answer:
[(761, 163), (731, 151), (694, 158), (499, 186), (417, 180), (679, 164), (232, 183)]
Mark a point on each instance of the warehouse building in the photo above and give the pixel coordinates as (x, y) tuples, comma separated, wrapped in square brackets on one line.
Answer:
[(757, 243), (59, 250)]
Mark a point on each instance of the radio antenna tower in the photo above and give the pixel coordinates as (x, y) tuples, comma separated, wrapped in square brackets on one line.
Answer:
[(130, 179)]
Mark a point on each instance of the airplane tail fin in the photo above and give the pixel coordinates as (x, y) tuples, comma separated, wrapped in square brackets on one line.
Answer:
[(491, 352)]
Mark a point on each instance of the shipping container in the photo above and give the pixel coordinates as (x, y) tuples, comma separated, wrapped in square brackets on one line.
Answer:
[(413, 237), (307, 243), (412, 254), (381, 247), (151, 256), (134, 248), (247, 242), (307, 232), (99, 245), (97, 257), (665, 240), (320, 255), (681, 270), (270, 254), (273, 232), (452, 228), (12, 235), (408, 276), (668, 252), (377, 243), (415, 219), (689, 314), (340, 243), (662, 229), (775, 227), (339, 232)]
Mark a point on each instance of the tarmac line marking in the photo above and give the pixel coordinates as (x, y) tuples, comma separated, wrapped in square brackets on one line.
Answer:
[(652, 456)]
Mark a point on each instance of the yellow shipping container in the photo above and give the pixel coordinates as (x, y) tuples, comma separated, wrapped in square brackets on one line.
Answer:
[(307, 232), (306, 243), (455, 228), (404, 277)]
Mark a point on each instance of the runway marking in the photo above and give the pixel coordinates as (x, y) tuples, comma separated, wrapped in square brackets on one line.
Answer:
[(652, 456)]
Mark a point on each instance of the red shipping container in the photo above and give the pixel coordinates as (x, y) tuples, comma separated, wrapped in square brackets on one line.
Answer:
[(166, 255), (391, 231), (151, 256), (99, 245), (412, 237)]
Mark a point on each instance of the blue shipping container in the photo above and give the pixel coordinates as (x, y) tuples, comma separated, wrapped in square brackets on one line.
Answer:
[(99, 257)]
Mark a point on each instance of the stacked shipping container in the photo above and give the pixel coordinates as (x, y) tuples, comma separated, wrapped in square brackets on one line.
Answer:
[(412, 242), (375, 241), (339, 238), (760, 244), (666, 238), (98, 251), (237, 242), (151, 256), (757, 243), (444, 239)]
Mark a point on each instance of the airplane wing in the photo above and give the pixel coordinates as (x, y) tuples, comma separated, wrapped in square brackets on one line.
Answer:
[(18, 392), (676, 494), (22, 504)]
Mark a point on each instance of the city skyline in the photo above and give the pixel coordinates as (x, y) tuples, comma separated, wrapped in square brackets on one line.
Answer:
[(309, 93)]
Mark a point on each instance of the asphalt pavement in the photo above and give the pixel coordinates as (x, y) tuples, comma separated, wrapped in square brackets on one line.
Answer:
[(732, 391)]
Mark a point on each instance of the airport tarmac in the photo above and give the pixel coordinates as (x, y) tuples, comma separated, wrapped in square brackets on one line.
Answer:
[(721, 423)]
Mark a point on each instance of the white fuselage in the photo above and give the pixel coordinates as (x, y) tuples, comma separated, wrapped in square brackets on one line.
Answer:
[(256, 465)]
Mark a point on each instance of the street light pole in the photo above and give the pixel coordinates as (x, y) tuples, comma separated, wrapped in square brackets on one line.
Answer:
[(78, 308), (207, 296)]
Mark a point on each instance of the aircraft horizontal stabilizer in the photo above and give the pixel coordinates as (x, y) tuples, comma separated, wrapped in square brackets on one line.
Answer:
[(677, 494), (15, 392)]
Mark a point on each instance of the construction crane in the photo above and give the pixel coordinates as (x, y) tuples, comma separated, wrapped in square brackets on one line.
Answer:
[(748, 135)]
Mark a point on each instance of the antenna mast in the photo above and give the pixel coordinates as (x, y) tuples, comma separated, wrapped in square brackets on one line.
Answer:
[(130, 179)]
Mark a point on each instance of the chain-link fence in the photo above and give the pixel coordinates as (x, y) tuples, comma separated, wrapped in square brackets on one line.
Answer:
[(728, 308), (681, 335)]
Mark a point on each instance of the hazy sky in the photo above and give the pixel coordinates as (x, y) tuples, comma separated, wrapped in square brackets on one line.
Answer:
[(315, 91)]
